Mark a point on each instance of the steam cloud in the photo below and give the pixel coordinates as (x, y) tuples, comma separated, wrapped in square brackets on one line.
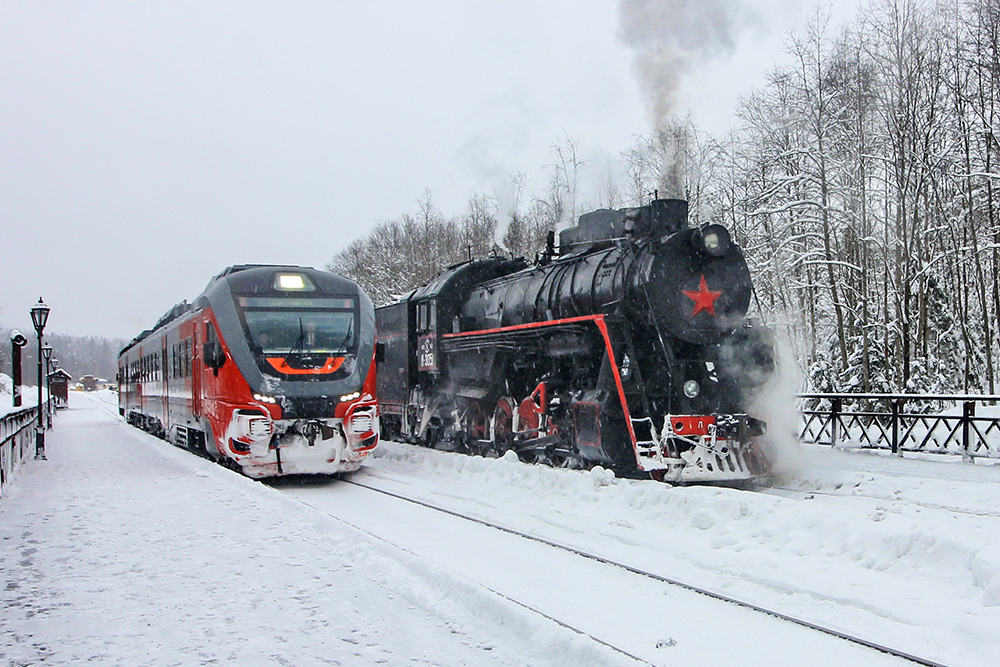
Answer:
[(775, 404)]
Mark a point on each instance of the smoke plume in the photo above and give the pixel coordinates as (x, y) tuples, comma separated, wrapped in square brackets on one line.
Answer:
[(671, 36)]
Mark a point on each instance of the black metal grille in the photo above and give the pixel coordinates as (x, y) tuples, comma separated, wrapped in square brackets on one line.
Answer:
[(943, 424), (313, 407)]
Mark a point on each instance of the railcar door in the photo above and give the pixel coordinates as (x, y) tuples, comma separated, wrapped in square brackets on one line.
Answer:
[(165, 385), (140, 388), (197, 338)]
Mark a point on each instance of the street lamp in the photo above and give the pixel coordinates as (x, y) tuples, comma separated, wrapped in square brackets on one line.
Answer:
[(39, 316), (47, 353)]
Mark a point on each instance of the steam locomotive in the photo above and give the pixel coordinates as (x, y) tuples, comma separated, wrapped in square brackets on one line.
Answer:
[(628, 347), (270, 371)]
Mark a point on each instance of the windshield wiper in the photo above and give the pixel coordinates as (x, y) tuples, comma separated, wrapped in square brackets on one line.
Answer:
[(350, 330), (300, 341)]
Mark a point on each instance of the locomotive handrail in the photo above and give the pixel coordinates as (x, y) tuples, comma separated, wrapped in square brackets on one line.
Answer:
[(884, 422)]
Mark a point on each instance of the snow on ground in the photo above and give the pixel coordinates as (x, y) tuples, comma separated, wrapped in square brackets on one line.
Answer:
[(29, 396), (904, 552), (122, 549)]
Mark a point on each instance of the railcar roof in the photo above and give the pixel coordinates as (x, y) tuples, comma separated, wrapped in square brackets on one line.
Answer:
[(184, 307)]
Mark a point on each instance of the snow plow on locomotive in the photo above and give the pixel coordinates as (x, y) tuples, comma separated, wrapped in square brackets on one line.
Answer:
[(270, 371), (628, 347)]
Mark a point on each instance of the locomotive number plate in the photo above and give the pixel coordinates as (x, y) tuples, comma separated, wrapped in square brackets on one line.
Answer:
[(427, 353)]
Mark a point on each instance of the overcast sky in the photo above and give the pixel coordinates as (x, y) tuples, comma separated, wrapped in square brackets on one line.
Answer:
[(146, 146)]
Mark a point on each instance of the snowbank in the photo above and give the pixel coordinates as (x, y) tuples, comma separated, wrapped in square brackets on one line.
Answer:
[(902, 551)]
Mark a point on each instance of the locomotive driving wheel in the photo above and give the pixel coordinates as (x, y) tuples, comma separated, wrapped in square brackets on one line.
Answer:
[(476, 427), (502, 425)]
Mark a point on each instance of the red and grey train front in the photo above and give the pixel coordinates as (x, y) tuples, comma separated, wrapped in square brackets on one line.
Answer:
[(301, 395)]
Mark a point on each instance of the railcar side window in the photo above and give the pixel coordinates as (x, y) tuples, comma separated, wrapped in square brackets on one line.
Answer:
[(215, 358)]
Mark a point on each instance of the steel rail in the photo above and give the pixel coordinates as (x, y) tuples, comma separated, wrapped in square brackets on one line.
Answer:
[(606, 561), (372, 535), (662, 579), (503, 596), (895, 499)]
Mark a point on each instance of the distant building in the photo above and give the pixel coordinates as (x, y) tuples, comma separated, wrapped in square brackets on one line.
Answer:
[(92, 383), (59, 386)]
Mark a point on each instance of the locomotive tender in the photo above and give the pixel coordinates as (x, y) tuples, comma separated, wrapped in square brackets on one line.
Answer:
[(270, 371), (629, 347)]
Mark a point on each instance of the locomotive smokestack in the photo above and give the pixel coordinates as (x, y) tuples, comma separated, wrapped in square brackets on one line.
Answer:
[(669, 215)]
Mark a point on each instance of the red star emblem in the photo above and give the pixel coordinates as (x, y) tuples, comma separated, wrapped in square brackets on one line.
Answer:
[(704, 298)]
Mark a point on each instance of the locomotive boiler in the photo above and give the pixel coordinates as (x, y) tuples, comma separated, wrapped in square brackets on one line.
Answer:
[(270, 371), (628, 346)]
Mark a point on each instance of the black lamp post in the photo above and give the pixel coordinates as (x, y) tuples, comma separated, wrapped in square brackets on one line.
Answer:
[(17, 341), (52, 402), (39, 316), (47, 353)]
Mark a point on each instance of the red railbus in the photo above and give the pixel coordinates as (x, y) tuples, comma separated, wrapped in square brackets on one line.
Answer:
[(270, 371)]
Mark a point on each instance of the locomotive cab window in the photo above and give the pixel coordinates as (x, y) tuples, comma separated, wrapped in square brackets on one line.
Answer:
[(422, 309), (426, 316)]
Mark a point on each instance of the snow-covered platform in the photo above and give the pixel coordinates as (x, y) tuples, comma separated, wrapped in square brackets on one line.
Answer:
[(122, 550)]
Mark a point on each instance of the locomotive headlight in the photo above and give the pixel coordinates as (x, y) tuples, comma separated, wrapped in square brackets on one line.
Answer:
[(715, 240), (691, 389), (350, 397), (265, 399)]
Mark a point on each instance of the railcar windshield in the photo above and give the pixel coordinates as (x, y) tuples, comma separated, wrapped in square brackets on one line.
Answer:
[(300, 326)]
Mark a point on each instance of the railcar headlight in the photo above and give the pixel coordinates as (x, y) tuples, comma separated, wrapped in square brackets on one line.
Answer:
[(260, 428), (691, 389), (715, 240), (350, 397), (361, 423), (293, 282), (265, 399)]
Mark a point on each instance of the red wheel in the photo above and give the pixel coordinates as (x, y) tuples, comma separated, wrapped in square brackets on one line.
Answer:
[(527, 415), (502, 424), (475, 421)]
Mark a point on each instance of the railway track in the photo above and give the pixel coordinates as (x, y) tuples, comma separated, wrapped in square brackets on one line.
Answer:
[(803, 494), (651, 576), (582, 553)]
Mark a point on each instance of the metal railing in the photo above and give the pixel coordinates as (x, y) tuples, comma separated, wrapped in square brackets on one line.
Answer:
[(935, 423), (17, 442)]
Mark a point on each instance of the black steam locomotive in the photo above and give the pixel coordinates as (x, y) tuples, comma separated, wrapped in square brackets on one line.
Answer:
[(627, 347)]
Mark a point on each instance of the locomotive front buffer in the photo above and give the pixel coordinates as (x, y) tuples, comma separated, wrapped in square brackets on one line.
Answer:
[(700, 449)]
